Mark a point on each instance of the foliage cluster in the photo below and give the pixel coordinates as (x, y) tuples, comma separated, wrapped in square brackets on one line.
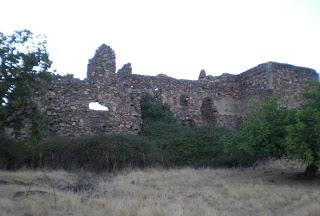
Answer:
[(178, 144), (24, 60), (303, 136), (263, 134), (273, 131), (154, 110), (113, 152)]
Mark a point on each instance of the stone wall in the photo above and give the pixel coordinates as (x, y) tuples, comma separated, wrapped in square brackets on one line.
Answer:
[(213, 101), (67, 110)]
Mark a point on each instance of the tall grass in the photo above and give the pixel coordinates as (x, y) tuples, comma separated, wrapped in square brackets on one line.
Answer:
[(265, 190)]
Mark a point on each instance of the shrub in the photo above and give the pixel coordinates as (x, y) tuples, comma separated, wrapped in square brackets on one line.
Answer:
[(303, 138), (14, 154), (154, 110), (184, 145), (108, 152), (263, 134)]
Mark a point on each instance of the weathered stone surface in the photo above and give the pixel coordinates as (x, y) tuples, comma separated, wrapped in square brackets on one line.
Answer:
[(202, 74), (212, 100), (102, 67), (125, 71), (67, 109)]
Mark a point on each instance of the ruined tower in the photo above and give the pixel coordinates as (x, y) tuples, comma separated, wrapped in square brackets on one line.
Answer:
[(68, 112)]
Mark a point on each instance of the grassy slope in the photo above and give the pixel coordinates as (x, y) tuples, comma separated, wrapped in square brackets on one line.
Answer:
[(266, 190)]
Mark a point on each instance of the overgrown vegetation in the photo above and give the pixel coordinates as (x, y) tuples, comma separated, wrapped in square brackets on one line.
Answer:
[(162, 142), (270, 131), (23, 61), (14, 154), (179, 144), (154, 110), (273, 131), (108, 152), (262, 136), (303, 136)]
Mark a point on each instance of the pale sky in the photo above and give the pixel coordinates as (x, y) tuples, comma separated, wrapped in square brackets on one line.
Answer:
[(174, 37)]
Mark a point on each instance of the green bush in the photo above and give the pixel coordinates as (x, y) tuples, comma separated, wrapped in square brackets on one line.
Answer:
[(191, 146), (160, 144), (180, 145), (263, 134), (154, 110), (108, 152), (14, 154), (303, 136), (175, 145)]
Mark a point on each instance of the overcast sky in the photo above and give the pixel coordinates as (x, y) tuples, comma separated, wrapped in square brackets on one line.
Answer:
[(174, 37)]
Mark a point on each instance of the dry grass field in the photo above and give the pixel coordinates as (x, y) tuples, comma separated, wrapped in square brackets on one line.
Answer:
[(269, 189)]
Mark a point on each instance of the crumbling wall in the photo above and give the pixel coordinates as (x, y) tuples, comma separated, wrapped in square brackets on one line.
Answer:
[(188, 99), (286, 81), (212, 101), (225, 100), (291, 82), (67, 110)]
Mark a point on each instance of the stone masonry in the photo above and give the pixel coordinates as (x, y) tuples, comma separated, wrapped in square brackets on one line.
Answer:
[(212, 101)]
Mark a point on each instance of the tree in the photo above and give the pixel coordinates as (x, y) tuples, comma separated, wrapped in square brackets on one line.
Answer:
[(154, 110), (303, 139), (23, 60), (262, 135)]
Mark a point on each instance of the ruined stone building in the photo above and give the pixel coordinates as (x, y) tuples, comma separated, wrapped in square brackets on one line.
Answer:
[(221, 101)]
